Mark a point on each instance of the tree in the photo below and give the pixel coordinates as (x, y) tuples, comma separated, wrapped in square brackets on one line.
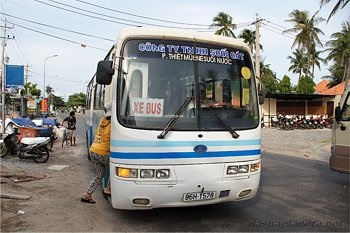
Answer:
[(31, 89), (305, 85), (285, 85), (336, 76), (268, 78), (299, 63), (58, 101), (49, 90), (315, 59), (225, 24), (307, 37), (78, 99), (249, 37), (339, 52), (340, 4)]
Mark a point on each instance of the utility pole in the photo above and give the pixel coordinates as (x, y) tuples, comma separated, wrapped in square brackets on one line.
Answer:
[(257, 47), (27, 73), (2, 76)]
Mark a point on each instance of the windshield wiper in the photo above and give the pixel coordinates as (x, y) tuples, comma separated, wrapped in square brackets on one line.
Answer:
[(173, 120), (224, 123)]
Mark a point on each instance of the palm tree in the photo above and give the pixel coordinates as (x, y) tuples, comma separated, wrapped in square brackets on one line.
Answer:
[(336, 76), (340, 4), (299, 63), (339, 48), (315, 60), (225, 24), (305, 26), (31, 89), (49, 90), (248, 37)]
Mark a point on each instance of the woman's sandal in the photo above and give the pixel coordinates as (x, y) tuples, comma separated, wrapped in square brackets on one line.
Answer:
[(87, 200), (105, 194)]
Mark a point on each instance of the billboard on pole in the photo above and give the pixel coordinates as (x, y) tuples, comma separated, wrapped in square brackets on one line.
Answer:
[(14, 76)]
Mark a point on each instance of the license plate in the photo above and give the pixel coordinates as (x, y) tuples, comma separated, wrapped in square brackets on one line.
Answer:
[(198, 196)]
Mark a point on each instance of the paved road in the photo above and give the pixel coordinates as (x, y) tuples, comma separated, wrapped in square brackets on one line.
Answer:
[(295, 195)]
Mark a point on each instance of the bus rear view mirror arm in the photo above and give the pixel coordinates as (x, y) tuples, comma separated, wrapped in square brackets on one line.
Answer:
[(261, 93), (338, 117)]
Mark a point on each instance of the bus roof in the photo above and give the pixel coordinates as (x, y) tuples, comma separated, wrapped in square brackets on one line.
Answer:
[(182, 34)]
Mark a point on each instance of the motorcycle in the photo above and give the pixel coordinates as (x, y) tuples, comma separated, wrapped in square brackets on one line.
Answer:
[(312, 122), (3, 148), (34, 148), (284, 122)]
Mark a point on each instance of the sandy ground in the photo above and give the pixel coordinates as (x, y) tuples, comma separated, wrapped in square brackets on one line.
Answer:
[(67, 170), (311, 144), (49, 196)]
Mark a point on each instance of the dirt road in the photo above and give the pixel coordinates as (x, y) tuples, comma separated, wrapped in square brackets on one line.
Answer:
[(67, 169)]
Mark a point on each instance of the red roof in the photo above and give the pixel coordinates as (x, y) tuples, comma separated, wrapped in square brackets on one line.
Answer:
[(321, 88)]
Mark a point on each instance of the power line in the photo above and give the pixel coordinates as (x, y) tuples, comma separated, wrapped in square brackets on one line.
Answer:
[(67, 30), (79, 13), (60, 38), (22, 54), (276, 31), (284, 29), (131, 21), (55, 77), (143, 17), (108, 16)]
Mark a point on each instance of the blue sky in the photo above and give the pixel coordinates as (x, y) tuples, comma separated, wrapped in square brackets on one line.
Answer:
[(74, 66)]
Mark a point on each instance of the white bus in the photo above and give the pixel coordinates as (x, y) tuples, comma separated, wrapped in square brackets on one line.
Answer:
[(185, 119)]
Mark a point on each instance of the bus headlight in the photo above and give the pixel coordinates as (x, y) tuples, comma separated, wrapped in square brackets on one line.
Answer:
[(243, 168), (127, 172), (231, 170), (147, 173), (162, 173), (255, 167)]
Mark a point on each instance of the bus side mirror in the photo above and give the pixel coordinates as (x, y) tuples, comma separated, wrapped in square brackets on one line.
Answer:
[(104, 72), (261, 93), (338, 114)]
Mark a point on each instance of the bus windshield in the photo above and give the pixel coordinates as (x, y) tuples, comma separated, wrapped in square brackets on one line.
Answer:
[(158, 76)]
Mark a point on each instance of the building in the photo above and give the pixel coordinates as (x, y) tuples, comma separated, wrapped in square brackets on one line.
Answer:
[(322, 102)]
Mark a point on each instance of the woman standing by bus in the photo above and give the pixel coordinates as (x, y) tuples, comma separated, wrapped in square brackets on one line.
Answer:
[(99, 152)]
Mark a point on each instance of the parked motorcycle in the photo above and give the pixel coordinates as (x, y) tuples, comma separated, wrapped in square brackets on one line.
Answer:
[(284, 122), (328, 122), (297, 122), (3, 148), (319, 122), (312, 122), (34, 148)]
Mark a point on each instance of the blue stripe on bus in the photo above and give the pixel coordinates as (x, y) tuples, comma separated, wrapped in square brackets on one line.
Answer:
[(123, 143), (91, 136), (181, 155)]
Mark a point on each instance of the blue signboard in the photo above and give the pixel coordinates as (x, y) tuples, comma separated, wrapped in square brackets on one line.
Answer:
[(14, 76)]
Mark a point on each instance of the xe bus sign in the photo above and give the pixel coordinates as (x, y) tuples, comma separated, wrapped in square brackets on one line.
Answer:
[(146, 107), (14, 76)]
